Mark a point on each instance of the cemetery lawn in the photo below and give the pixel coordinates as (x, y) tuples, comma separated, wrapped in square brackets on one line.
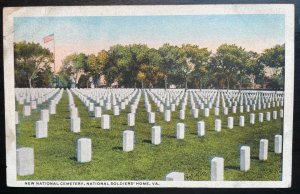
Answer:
[(55, 156)]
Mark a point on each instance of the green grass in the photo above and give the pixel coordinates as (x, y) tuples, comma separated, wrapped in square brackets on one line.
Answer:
[(55, 156)]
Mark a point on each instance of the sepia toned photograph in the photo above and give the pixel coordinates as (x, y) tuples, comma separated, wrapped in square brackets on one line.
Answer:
[(149, 96)]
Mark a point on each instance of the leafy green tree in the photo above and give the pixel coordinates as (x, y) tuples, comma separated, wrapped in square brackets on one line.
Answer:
[(273, 61), (229, 61), (29, 58), (43, 77), (75, 65), (196, 63)]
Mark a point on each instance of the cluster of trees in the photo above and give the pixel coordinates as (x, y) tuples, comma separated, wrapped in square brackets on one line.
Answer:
[(187, 66)]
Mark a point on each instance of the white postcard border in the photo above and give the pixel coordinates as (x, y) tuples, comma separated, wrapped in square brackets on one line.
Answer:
[(10, 130)]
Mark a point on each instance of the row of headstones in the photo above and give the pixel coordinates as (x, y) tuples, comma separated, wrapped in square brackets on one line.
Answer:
[(217, 163), (161, 106), (105, 119), (133, 98), (227, 102), (34, 96), (104, 97), (25, 156), (53, 97), (214, 95), (41, 126)]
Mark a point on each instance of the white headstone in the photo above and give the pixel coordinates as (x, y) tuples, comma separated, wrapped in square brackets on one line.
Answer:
[(218, 125), (278, 144), (131, 119), (52, 109), (105, 122), (242, 121), (263, 149), (252, 118), (217, 111), (84, 150), (281, 113), (128, 140), (261, 117), (206, 112), (91, 107), (41, 129), (108, 106), (98, 112), (234, 109), (230, 122), (33, 104), (26, 110), (268, 116), (151, 117), (274, 114), (45, 115), (173, 107), (25, 161), (195, 113), (156, 135), (116, 110), (241, 109), (175, 176), (201, 128), (225, 110), (245, 158), (182, 114), (75, 124), (217, 169), (167, 115), (180, 128)]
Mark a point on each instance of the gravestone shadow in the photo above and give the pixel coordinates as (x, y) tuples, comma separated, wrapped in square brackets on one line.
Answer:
[(147, 141), (117, 148)]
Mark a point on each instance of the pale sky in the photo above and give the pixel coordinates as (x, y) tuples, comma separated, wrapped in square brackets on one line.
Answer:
[(92, 34)]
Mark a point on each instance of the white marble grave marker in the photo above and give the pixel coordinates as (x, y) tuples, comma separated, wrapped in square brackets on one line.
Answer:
[(242, 121), (25, 161), (278, 144), (156, 135), (84, 150), (175, 176), (75, 124), (45, 115), (105, 122), (263, 149), (26, 110), (230, 122), (98, 112), (167, 115), (218, 125), (131, 119), (151, 117), (41, 129), (217, 169), (180, 128), (201, 128), (128, 140), (245, 158), (252, 118)]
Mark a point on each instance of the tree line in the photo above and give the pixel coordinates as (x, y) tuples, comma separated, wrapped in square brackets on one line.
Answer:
[(137, 65)]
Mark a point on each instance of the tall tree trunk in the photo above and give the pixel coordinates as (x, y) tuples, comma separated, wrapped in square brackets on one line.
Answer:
[(227, 80), (142, 84), (29, 81), (186, 83), (166, 82)]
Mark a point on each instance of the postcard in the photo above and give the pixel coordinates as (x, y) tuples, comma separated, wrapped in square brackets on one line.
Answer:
[(186, 96)]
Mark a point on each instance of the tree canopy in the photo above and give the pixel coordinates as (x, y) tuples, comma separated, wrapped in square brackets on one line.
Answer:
[(137, 65)]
